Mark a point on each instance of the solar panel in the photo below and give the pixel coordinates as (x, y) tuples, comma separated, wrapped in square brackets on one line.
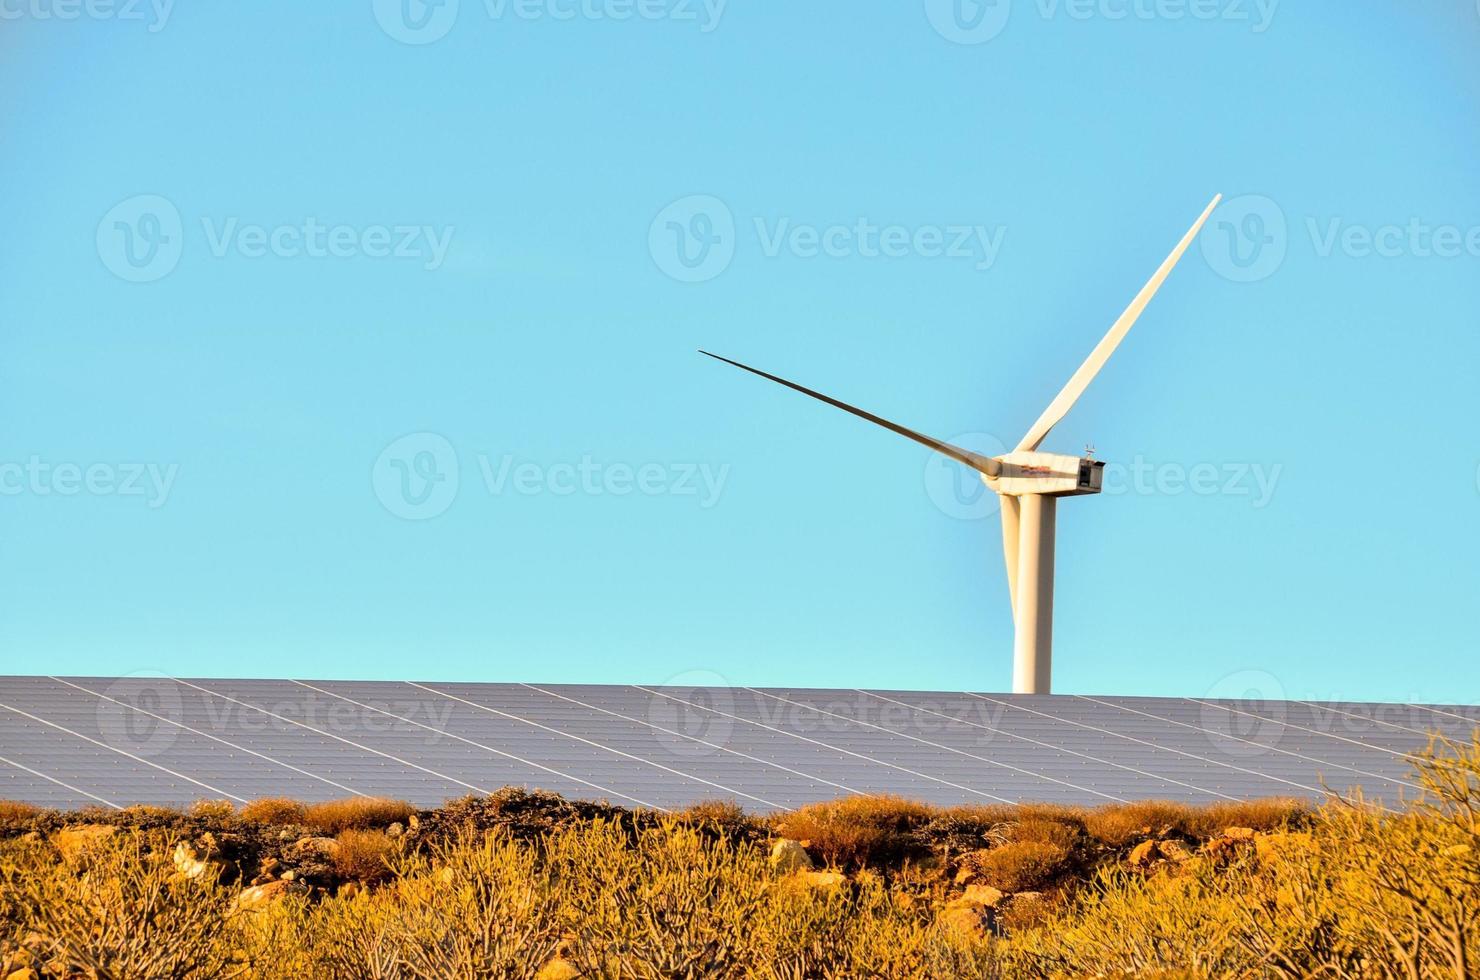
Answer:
[(68, 742)]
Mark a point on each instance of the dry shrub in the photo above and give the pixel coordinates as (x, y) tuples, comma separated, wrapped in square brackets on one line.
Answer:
[(1121, 823), (1019, 865), (129, 916), (356, 813), (1031, 911), (363, 854), (1038, 830), (215, 811), (14, 812), (277, 811), (1271, 814), (856, 830), (722, 816)]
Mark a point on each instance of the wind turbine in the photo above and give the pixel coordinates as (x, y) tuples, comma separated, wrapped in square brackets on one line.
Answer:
[(1030, 483)]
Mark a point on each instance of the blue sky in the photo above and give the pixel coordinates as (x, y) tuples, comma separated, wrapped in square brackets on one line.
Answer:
[(336, 342)]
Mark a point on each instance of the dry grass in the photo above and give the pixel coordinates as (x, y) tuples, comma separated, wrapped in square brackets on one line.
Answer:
[(1038, 830), (1272, 814), (722, 816), (356, 813), (364, 855), (218, 811), (1020, 866), (15, 812), (1123, 823), (276, 811), (857, 830)]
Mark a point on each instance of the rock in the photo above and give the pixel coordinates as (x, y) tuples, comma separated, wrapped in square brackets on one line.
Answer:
[(260, 895), (788, 856), (985, 894), (395, 830), (966, 917), (24, 973), (822, 879), (558, 969), (193, 864), (75, 842), (1142, 854), (270, 865), (290, 875), (1174, 850), (314, 849), (1238, 833)]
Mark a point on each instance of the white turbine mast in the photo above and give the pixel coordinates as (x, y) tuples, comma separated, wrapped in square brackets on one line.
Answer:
[(1030, 483)]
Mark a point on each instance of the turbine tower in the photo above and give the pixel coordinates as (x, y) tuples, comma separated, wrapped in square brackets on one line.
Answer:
[(1030, 483)]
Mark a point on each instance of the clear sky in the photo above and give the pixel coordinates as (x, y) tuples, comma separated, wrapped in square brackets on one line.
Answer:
[(358, 340)]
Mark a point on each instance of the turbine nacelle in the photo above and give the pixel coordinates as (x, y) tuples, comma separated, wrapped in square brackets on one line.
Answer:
[(1051, 474)]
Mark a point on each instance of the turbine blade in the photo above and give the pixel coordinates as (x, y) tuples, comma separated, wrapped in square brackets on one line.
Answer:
[(1010, 546), (1060, 406), (982, 464)]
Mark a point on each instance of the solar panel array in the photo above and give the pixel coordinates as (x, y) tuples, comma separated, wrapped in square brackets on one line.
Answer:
[(68, 742)]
